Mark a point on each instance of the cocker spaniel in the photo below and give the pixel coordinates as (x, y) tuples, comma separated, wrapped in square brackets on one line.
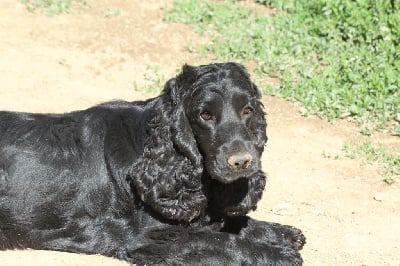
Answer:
[(165, 181)]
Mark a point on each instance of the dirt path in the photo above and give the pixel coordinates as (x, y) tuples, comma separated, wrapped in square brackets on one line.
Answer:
[(68, 62)]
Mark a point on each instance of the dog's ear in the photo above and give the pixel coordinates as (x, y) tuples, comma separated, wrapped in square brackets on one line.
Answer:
[(256, 91), (183, 138), (168, 175), (178, 87), (171, 91)]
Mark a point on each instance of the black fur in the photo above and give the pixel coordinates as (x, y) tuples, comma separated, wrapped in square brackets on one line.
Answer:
[(167, 181)]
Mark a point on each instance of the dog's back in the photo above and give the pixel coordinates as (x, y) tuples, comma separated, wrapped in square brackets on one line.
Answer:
[(54, 170)]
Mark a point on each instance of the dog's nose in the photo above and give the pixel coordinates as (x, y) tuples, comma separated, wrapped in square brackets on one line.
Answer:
[(240, 160)]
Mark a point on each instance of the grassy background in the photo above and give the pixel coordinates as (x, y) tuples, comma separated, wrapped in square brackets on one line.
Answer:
[(339, 59)]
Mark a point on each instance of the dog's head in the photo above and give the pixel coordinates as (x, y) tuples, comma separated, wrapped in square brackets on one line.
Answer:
[(222, 112)]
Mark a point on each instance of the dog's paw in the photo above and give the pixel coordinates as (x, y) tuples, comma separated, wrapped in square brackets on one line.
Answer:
[(291, 234)]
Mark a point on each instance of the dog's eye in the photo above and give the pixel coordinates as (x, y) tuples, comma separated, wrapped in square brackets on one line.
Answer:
[(247, 110), (206, 116)]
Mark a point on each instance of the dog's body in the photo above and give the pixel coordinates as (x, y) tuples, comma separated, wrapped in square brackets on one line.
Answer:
[(163, 181)]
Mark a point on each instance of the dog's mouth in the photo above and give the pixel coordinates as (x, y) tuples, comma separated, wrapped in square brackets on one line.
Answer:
[(227, 175)]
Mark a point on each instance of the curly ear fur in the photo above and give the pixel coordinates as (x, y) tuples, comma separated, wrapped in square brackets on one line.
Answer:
[(168, 176), (182, 135)]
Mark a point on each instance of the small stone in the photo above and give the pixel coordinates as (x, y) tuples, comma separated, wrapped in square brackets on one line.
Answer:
[(378, 197)]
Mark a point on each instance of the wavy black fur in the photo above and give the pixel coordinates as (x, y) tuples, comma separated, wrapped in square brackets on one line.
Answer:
[(164, 181)]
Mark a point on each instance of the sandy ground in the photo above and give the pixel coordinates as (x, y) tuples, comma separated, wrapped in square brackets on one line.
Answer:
[(69, 62)]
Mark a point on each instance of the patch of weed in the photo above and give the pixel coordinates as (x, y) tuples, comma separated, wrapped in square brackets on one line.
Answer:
[(111, 12), (52, 7), (327, 155), (376, 153)]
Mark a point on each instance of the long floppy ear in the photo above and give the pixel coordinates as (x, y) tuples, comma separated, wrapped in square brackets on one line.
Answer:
[(167, 177), (182, 134)]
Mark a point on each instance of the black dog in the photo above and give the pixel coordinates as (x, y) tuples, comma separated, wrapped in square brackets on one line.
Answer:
[(168, 180)]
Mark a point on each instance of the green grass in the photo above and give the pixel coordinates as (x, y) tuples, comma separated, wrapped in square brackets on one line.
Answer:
[(52, 7), (330, 156), (377, 153), (339, 59)]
